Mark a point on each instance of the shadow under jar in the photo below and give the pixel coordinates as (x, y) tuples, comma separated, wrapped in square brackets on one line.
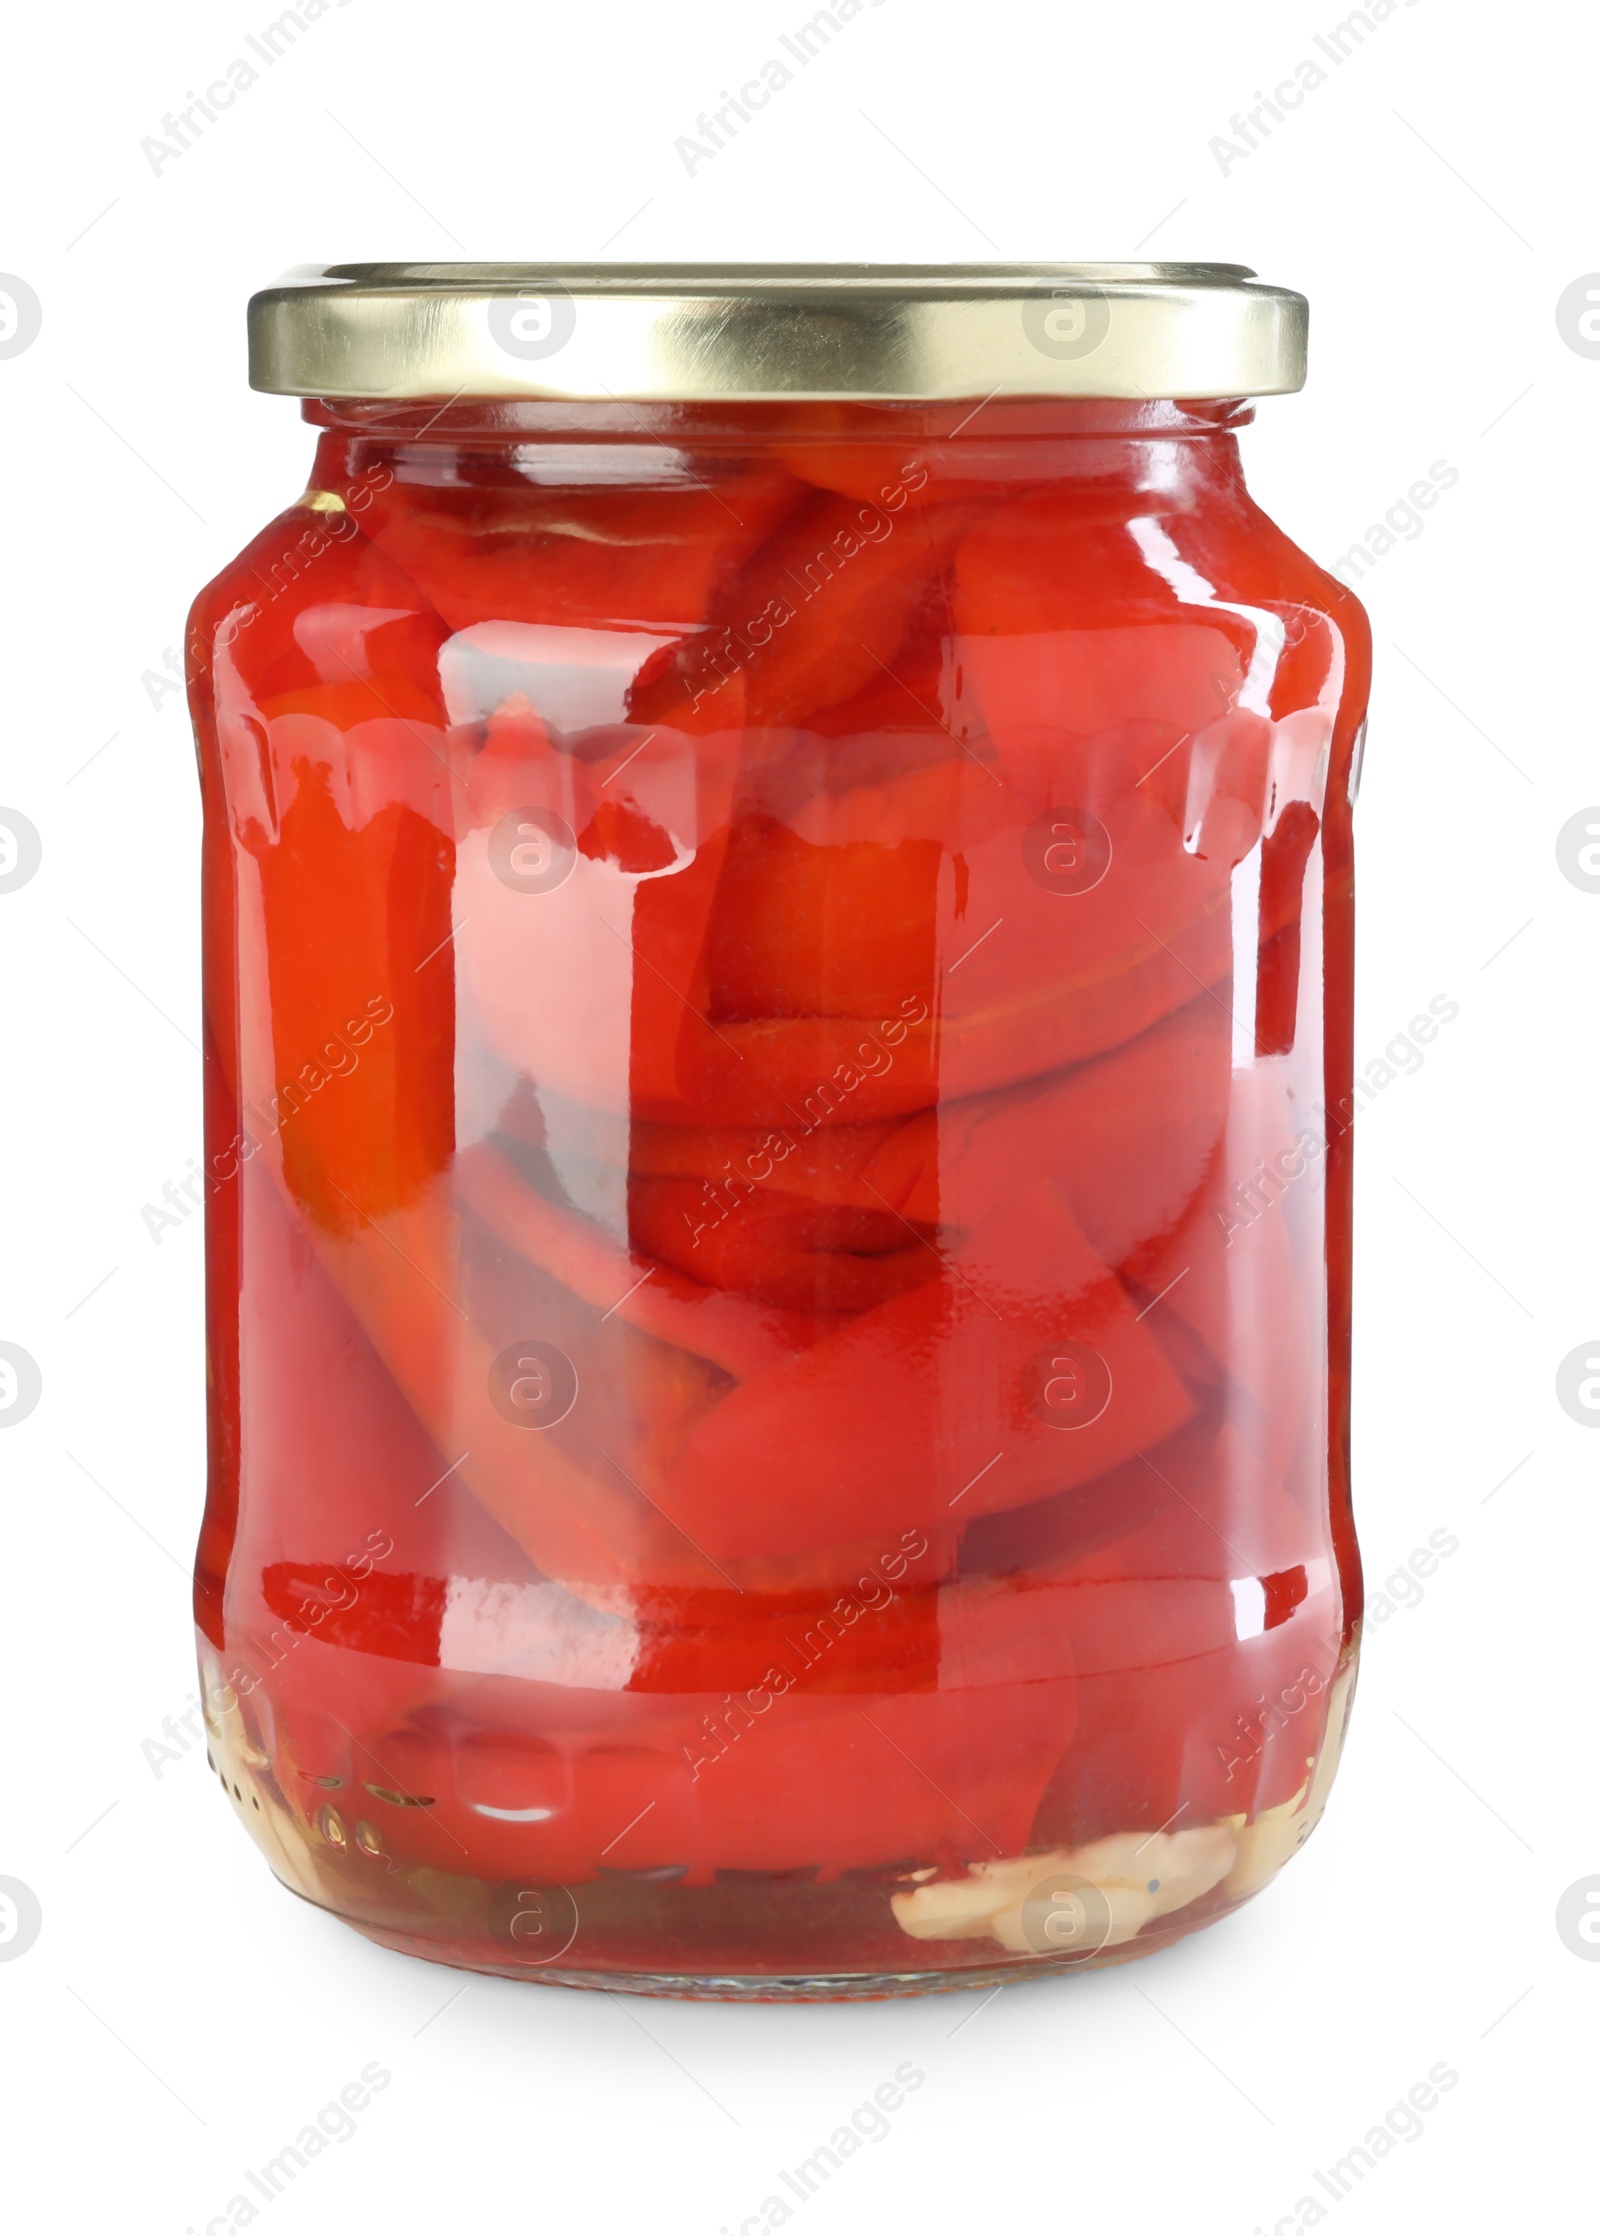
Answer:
[(778, 920)]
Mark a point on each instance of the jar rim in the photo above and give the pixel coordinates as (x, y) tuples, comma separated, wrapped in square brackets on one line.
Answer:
[(777, 332)]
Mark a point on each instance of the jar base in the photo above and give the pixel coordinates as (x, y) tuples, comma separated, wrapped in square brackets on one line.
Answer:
[(759, 1987)]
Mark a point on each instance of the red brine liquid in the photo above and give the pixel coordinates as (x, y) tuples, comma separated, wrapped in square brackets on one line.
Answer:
[(777, 1011)]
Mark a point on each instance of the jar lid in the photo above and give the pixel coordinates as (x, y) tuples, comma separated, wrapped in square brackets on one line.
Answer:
[(869, 332)]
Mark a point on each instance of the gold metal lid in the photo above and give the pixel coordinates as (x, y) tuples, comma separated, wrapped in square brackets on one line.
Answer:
[(869, 332)]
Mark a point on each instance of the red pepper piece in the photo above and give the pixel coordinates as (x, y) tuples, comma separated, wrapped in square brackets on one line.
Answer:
[(1063, 1531), (876, 473), (847, 448), (778, 1249), (585, 1498), (321, 1423), (1192, 1734), (866, 1638), (1068, 629), (330, 737), (887, 1423), (680, 1304), (309, 601), (894, 721), (878, 1629), (395, 1615), (1204, 1641), (1031, 973), (1228, 1270), (802, 930), (359, 1091), (1038, 982), (834, 908), (1067, 550), (1127, 1138), (378, 1144), (567, 1784), (505, 549), (726, 995), (589, 1528), (810, 618)]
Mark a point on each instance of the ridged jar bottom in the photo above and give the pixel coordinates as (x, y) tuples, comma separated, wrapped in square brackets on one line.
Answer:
[(779, 1985)]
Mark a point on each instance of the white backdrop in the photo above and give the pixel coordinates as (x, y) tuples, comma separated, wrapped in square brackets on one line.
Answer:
[(179, 2018)]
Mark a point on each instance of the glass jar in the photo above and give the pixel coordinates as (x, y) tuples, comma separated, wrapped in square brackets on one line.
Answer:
[(778, 920)]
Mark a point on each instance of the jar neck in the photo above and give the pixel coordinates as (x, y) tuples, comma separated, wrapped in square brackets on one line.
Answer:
[(741, 421), (1145, 443)]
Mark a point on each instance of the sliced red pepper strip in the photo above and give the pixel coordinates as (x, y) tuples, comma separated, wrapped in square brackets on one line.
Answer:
[(875, 473), (1127, 1136), (593, 1531), (1028, 978), (1228, 1269), (1203, 1641), (582, 1499), (802, 930), (503, 548), (893, 722), (883, 1425), (771, 1776), (1057, 569), (720, 962), (833, 907), (310, 602), (1062, 1532), (330, 733), (345, 1496), (896, 474), (813, 1071), (867, 1638), (1191, 1733), (812, 616), (782, 1250), (354, 901), (655, 1296)]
